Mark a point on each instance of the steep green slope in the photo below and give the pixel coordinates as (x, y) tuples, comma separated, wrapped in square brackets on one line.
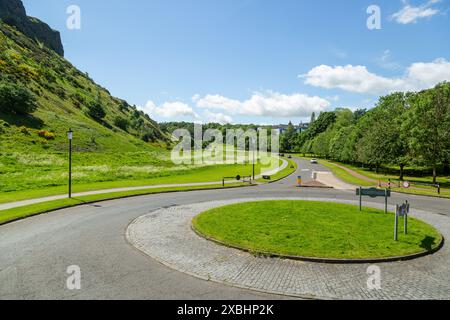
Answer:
[(33, 148), (64, 97)]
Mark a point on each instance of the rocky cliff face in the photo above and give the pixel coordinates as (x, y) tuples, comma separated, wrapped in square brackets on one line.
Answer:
[(13, 13)]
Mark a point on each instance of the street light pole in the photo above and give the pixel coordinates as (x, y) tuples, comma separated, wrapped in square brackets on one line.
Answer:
[(253, 163), (70, 136)]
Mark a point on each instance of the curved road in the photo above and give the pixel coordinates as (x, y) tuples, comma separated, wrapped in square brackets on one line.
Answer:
[(35, 253)]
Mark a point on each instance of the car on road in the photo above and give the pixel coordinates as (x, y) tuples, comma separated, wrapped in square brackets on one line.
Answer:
[(314, 161)]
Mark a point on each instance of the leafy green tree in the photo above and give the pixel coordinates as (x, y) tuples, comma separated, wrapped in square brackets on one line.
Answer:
[(325, 120), (96, 111), (348, 152), (429, 125), (358, 114), (121, 123), (340, 147), (382, 139), (321, 144), (16, 99), (287, 139)]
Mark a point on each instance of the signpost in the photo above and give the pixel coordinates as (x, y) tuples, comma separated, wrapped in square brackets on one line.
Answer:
[(70, 137), (402, 211), (373, 193)]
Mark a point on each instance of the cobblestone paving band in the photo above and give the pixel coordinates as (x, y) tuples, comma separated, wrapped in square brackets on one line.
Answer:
[(166, 236)]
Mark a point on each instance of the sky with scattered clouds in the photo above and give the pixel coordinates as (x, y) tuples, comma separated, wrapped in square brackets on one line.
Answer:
[(254, 61)]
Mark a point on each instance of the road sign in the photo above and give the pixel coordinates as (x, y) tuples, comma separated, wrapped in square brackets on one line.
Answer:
[(406, 184), (402, 211), (373, 193)]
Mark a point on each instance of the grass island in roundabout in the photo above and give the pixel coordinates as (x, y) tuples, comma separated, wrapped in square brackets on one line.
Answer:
[(313, 230)]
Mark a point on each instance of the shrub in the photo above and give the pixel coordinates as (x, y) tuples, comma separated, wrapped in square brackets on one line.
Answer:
[(24, 130), (96, 111), (123, 107), (59, 92), (148, 135), (16, 99), (121, 123), (46, 135)]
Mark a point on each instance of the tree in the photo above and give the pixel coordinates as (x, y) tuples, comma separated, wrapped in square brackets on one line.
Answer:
[(96, 111), (429, 124), (382, 140), (321, 144), (358, 114), (393, 108), (322, 123), (121, 123), (287, 139), (340, 147), (16, 99)]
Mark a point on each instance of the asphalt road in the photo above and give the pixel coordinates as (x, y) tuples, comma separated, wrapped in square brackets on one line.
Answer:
[(35, 253)]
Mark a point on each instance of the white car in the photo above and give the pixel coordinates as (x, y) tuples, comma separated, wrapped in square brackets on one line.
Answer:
[(314, 161)]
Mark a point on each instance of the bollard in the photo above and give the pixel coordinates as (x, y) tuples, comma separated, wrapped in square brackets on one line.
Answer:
[(299, 181)]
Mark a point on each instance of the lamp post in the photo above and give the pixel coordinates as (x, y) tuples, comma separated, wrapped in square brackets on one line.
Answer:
[(254, 164), (70, 137)]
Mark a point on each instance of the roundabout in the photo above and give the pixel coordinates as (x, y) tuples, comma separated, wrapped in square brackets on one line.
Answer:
[(166, 236), (145, 248), (314, 231)]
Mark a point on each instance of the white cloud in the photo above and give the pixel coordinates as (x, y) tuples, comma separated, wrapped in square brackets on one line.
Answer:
[(170, 110), (217, 118), (268, 104), (410, 14), (385, 61), (358, 79)]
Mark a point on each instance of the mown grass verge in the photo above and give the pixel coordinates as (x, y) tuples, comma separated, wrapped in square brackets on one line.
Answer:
[(14, 214), (314, 229)]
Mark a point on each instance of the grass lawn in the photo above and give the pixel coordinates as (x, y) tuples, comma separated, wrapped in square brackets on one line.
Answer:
[(35, 209), (38, 183), (314, 229)]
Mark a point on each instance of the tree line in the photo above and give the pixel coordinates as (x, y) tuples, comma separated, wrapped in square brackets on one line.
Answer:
[(403, 129)]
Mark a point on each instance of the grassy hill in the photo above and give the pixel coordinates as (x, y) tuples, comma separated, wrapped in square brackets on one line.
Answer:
[(64, 97), (122, 147), (33, 148)]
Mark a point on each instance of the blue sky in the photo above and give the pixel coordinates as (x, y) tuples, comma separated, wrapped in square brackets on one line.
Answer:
[(253, 61)]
